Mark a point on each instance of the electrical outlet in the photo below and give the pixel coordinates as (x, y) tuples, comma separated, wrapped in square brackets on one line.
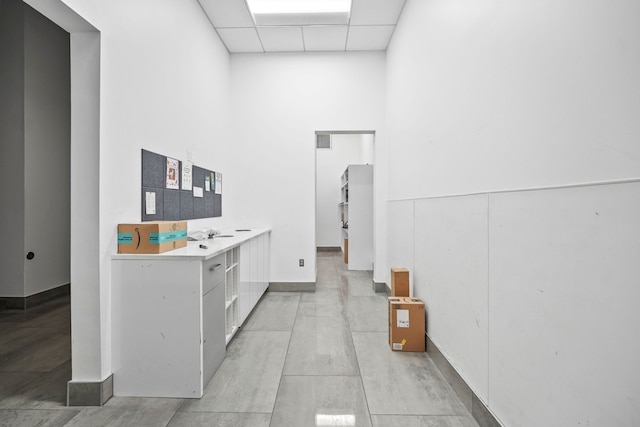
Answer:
[(301, 262)]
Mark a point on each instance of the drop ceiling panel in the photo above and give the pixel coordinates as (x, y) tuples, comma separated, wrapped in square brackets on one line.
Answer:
[(227, 13), (325, 38), (369, 37), (370, 28), (376, 12), (241, 39), (298, 19), (281, 39)]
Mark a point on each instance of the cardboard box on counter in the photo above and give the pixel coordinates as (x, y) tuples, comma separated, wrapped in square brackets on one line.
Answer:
[(152, 237), (406, 324)]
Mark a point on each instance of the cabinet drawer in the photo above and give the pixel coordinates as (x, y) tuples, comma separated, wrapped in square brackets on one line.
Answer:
[(213, 273)]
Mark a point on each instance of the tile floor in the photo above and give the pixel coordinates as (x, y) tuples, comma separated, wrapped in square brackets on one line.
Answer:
[(301, 359)]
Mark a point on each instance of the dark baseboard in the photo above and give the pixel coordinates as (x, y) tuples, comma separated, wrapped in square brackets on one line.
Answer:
[(380, 287), (89, 393), (292, 287), (25, 303), (329, 249), (478, 410)]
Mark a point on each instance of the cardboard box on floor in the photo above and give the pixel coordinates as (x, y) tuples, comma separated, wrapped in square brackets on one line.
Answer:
[(152, 237), (400, 282), (406, 324)]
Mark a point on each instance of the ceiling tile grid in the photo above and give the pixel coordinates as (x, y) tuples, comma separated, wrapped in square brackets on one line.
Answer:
[(370, 27), (281, 39)]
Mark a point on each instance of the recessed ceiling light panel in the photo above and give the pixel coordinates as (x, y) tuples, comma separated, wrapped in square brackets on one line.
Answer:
[(300, 12)]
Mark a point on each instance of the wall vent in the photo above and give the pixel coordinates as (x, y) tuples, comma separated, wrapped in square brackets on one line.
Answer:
[(323, 141)]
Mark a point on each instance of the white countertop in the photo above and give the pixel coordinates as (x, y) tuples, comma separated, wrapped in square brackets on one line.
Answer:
[(215, 246)]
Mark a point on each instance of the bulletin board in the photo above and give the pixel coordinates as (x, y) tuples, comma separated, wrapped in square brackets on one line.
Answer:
[(173, 190)]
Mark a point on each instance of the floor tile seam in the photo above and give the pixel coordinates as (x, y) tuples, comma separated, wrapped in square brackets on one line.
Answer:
[(426, 415), (434, 415), (173, 416), (360, 296), (348, 325), (284, 362), (218, 412), (325, 316), (355, 351), (368, 296), (322, 375), (60, 409)]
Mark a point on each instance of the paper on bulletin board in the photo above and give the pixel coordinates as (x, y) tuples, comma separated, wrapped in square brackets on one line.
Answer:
[(150, 199), (207, 183), (187, 176), (198, 191), (172, 174), (218, 184), (213, 181)]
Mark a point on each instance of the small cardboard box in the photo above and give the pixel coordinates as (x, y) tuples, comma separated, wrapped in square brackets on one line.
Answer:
[(399, 282), (406, 324), (152, 237)]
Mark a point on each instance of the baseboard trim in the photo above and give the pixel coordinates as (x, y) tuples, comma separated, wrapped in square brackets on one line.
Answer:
[(328, 249), (25, 303), (381, 287), (478, 409), (82, 393), (292, 287)]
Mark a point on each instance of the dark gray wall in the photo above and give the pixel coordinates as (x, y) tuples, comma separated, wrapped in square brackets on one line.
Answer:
[(12, 147), (47, 94), (37, 157)]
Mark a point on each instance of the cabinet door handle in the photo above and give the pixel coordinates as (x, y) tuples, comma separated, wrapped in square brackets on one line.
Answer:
[(215, 267)]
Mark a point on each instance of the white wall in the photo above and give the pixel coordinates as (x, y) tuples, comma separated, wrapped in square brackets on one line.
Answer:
[(513, 95), (279, 101), (164, 86), (367, 148), (530, 294)]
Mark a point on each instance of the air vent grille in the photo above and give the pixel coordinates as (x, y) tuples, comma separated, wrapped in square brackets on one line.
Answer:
[(323, 141)]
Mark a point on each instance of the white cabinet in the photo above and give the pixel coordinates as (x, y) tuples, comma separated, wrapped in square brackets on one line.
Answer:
[(213, 316), (254, 273), (356, 214), (168, 326), (248, 270), (174, 313), (231, 294)]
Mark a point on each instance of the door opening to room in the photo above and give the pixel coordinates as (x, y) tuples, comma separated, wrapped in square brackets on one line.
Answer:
[(345, 196)]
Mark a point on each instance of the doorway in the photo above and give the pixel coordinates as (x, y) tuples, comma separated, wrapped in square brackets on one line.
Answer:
[(335, 152)]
